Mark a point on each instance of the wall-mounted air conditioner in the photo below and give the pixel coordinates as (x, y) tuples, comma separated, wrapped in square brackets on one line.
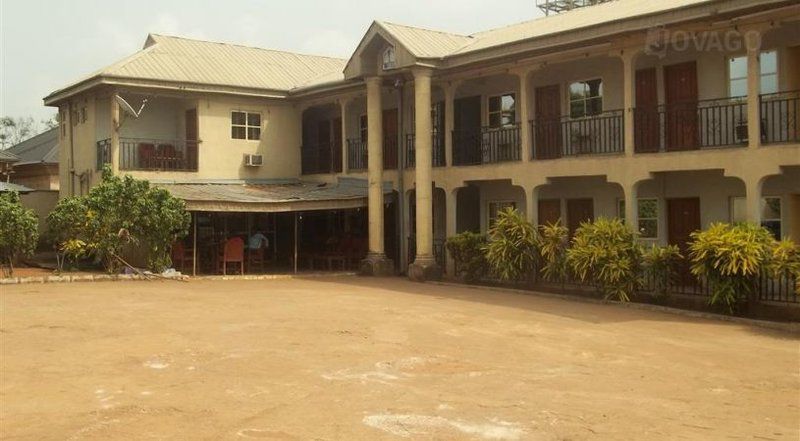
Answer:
[(253, 160)]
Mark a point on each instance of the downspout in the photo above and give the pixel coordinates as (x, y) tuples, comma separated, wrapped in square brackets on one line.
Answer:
[(71, 150), (401, 200)]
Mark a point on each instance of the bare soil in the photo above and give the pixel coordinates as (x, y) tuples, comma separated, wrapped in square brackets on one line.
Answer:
[(348, 358)]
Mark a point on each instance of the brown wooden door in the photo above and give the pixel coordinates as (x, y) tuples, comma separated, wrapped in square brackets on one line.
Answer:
[(579, 210), (549, 211), (323, 146), (683, 218), (547, 136), (680, 94), (191, 140), (338, 145), (467, 130), (390, 139), (646, 115)]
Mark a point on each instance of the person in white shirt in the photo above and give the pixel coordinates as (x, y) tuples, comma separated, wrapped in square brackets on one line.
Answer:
[(257, 240)]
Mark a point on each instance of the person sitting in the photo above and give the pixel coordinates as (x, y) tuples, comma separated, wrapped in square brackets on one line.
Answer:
[(256, 245), (257, 240)]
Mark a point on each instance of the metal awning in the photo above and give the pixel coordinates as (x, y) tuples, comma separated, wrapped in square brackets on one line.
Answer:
[(277, 197)]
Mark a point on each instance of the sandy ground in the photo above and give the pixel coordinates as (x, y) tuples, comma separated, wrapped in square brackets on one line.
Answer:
[(347, 358)]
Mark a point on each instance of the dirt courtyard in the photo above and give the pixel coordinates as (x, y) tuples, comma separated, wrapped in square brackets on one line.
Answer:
[(349, 358)]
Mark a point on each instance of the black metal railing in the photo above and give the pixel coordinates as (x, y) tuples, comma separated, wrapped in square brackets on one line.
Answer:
[(777, 289), (103, 153), (438, 251), (486, 145), (147, 154), (691, 125), (565, 136), (437, 154), (356, 154), (780, 117), (321, 158)]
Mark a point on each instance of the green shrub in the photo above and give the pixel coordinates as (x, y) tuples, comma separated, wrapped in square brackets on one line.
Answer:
[(18, 230), (466, 249), (785, 261), (511, 250), (66, 226), (605, 253), (553, 250), (661, 265), (730, 258)]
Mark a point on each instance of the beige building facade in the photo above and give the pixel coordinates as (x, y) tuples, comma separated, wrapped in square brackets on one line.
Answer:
[(629, 108)]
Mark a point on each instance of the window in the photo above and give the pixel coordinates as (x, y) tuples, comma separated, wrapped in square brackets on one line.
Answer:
[(585, 98), (502, 110), (737, 74), (245, 125), (770, 213), (389, 61), (647, 216), (362, 128), (83, 115), (496, 207)]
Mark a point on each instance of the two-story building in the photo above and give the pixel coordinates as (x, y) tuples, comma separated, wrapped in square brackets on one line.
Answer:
[(629, 108)]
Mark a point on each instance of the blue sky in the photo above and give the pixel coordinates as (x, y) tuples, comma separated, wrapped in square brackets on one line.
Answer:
[(45, 45)]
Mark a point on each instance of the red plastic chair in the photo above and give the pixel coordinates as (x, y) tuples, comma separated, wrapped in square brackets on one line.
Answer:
[(181, 256), (147, 154), (232, 252)]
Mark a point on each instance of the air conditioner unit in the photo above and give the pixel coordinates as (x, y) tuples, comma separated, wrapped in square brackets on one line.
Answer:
[(253, 160)]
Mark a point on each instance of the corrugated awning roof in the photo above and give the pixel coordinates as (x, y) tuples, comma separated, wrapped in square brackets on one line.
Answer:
[(7, 186), (6, 156), (270, 197)]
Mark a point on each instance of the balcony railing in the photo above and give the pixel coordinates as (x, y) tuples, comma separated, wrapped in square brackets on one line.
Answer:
[(565, 136), (438, 250), (357, 157), (437, 155), (146, 154), (486, 145), (321, 158), (780, 117), (691, 125)]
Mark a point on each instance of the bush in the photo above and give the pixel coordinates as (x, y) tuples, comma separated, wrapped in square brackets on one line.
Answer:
[(661, 265), (785, 262), (730, 258), (511, 250), (18, 230), (605, 252), (117, 212), (466, 249), (553, 249)]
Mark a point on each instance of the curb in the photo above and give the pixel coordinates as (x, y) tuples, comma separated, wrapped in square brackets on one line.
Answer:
[(129, 277), (789, 327)]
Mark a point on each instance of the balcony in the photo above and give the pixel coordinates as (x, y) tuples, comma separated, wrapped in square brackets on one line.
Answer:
[(486, 145), (780, 117), (691, 125), (438, 154), (566, 136), (321, 158), (357, 157), (139, 154)]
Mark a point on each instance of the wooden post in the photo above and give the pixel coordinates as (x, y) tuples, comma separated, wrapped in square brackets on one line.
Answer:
[(194, 245), (295, 242)]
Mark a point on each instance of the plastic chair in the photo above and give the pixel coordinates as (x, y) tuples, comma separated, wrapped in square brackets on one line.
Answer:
[(232, 252)]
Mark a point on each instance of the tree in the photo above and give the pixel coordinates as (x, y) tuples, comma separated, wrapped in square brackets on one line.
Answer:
[(18, 230), (66, 226), (511, 251), (15, 130)]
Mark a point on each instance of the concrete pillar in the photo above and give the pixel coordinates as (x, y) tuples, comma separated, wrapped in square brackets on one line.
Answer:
[(629, 96), (753, 43), (451, 204), (343, 112), (532, 207), (632, 205), (376, 262), (424, 266), (114, 148), (449, 120), (525, 126), (753, 199)]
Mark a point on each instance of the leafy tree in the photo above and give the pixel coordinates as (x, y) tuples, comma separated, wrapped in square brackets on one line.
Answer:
[(730, 258), (15, 130), (466, 249), (553, 249), (18, 230), (511, 250), (66, 228), (661, 265), (605, 252), (785, 261)]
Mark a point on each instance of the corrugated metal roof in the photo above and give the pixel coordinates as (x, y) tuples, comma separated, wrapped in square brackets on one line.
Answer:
[(6, 156), (42, 148), (7, 186), (426, 43), (572, 20)]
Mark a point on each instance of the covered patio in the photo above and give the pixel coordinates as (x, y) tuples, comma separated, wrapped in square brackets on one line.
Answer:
[(272, 227)]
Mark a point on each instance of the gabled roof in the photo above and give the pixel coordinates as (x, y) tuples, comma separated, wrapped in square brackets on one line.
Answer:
[(42, 148), (186, 61), (6, 156), (425, 43)]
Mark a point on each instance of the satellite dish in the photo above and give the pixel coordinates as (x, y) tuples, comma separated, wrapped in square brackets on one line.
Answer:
[(128, 108)]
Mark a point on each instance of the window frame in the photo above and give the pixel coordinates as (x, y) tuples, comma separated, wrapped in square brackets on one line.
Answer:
[(731, 78), (657, 219), (743, 200), (392, 64), (246, 126), (504, 202), (584, 100), (489, 112)]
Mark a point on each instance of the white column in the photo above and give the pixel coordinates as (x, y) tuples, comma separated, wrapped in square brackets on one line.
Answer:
[(753, 43), (631, 205), (423, 127), (343, 111), (114, 148), (375, 165), (532, 207), (753, 199), (525, 126), (450, 225), (449, 120), (629, 97)]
